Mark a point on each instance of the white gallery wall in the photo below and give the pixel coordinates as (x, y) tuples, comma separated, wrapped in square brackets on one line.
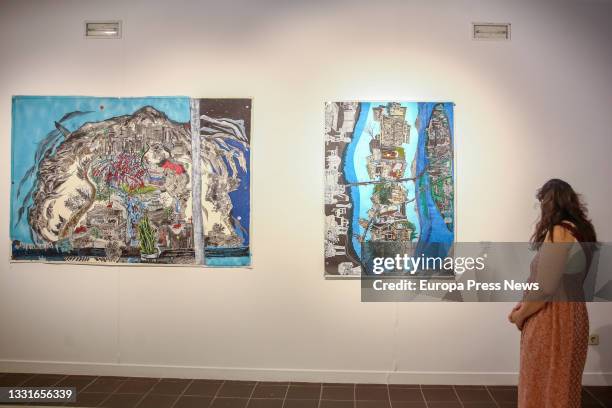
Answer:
[(527, 110)]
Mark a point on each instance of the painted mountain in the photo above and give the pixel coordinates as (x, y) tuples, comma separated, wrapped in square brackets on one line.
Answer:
[(389, 182), (156, 180)]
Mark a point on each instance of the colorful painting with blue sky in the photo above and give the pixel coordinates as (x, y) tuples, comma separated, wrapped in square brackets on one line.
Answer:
[(143, 180)]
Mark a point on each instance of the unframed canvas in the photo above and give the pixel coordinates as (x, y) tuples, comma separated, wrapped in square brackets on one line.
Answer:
[(152, 180), (389, 182)]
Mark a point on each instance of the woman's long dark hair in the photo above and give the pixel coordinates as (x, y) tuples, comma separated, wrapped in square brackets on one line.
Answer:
[(560, 204)]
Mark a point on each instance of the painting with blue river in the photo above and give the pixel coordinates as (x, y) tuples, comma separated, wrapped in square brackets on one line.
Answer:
[(389, 183)]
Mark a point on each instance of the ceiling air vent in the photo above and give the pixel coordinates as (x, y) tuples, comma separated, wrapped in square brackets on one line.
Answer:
[(491, 31), (103, 29)]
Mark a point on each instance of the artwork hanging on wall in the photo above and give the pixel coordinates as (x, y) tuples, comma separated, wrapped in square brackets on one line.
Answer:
[(389, 182), (151, 180)]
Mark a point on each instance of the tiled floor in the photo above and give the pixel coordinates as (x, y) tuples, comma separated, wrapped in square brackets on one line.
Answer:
[(123, 392)]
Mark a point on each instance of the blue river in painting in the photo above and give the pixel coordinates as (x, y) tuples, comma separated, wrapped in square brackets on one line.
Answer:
[(434, 238), (350, 173)]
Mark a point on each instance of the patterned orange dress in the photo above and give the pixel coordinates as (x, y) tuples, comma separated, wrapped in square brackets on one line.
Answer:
[(554, 345)]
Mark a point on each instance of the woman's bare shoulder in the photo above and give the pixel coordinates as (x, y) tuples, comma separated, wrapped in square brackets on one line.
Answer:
[(560, 233)]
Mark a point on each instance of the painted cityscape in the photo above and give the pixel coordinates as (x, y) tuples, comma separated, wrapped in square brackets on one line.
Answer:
[(153, 180), (389, 182)]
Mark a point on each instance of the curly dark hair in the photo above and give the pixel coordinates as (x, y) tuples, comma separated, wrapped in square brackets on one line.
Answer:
[(561, 205)]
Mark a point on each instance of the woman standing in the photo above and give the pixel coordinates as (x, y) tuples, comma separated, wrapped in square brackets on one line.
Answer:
[(554, 322)]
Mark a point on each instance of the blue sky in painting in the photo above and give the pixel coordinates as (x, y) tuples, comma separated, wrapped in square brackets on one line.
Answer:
[(34, 118)]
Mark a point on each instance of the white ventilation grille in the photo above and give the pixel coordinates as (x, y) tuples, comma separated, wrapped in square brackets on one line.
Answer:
[(491, 31), (103, 29)]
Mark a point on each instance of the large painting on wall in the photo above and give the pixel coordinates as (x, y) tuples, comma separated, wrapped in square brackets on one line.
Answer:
[(389, 182), (151, 180)]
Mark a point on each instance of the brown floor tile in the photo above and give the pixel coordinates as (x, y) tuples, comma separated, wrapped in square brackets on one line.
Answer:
[(505, 394), (88, 399), (404, 386), (265, 403), (470, 387), (240, 382), (336, 404), (270, 391), (372, 404), (192, 401), (602, 394), (170, 386), (436, 386), (103, 384), (203, 388), (14, 379), (154, 379), (236, 389), (473, 395), (136, 386), (304, 383), (439, 395), (229, 402), (408, 404), (489, 404), (405, 394), (77, 381), (337, 393), (121, 401), (311, 403), (335, 384), (371, 392), (43, 380), (444, 404), (45, 404), (588, 398), (157, 401), (304, 392), (273, 383), (507, 404)]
